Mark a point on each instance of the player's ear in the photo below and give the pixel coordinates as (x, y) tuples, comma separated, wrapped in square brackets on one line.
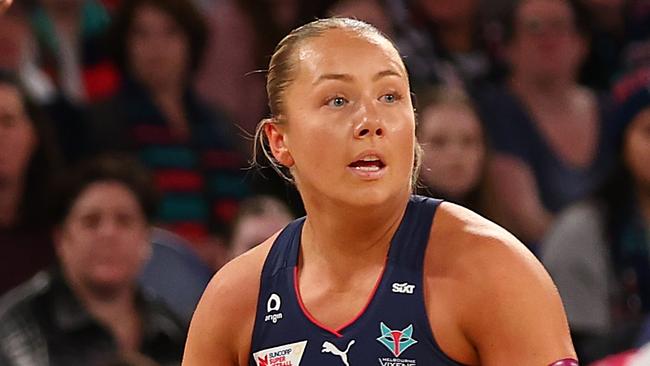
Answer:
[(278, 142)]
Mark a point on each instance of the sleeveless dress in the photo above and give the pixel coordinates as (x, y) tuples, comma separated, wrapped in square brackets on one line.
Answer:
[(392, 330)]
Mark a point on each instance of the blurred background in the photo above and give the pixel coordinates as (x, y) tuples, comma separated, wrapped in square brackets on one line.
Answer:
[(534, 113)]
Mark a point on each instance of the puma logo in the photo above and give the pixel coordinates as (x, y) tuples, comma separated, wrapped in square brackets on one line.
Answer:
[(330, 348)]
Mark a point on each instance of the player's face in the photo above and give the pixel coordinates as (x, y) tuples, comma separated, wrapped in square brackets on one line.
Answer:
[(349, 124), (103, 242), (454, 152), (637, 148)]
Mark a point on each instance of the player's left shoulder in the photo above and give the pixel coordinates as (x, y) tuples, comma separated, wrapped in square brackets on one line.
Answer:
[(483, 253), (494, 292)]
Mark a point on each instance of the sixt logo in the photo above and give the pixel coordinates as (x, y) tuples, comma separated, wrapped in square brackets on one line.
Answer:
[(403, 288), (397, 341)]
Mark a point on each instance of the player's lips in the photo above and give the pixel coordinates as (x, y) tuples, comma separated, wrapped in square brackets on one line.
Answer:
[(368, 165)]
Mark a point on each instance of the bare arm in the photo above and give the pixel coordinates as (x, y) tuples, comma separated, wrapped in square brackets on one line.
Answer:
[(491, 303), (522, 320), (222, 325), (209, 341)]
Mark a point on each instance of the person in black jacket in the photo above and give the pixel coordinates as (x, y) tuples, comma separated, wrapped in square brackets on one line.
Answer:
[(89, 309)]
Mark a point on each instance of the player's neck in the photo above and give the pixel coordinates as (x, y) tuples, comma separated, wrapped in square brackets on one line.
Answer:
[(344, 235)]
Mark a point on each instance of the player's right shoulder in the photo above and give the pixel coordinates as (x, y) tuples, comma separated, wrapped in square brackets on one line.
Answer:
[(222, 325), (235, 287), (243, 271)]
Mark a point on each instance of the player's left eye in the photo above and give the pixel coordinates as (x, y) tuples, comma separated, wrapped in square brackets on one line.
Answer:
[(389, 98)]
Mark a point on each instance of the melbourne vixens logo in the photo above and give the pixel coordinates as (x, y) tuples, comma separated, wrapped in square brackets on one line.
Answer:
[(397, 341)]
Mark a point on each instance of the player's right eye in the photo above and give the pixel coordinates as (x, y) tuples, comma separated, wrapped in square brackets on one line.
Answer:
[(337, 102)]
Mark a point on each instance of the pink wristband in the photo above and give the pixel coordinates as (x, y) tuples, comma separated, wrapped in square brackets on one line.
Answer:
[(565, 362)]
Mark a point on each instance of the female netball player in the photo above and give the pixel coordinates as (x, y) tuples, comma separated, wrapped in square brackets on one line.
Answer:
[(372, 275)]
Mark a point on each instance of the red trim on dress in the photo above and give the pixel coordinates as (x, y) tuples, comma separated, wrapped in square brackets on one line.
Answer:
[(337, 331)]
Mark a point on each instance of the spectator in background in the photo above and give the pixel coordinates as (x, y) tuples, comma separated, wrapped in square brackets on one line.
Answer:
[(175, 273), (370, 11), (156, 116), (636, 79), (597, 252), (608, 36), (132, 359), (254, 26), (545, 128), (111, 5), (454, 148), (639, 357), (620, 40), (442, 41), (14, 34), (17, 48), (636, 54), (259, 218), (28, 162), (71, 51), (89, 309), (4, 4)]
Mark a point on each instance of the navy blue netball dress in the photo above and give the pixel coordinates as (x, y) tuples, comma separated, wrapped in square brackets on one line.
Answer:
[(393, 329)]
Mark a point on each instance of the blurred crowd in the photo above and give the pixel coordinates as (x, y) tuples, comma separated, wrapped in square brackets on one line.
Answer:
[(126, 172)]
